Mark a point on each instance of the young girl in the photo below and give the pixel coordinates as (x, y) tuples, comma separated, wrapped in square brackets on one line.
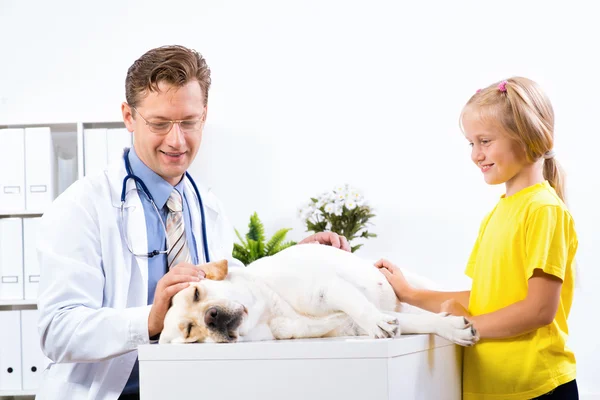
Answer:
[(522, 264)]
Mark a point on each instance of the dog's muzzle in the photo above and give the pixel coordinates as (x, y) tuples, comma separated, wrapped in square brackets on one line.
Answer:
[(224, 322)]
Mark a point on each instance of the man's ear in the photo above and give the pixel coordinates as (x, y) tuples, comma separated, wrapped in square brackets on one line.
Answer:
[(216, 270), (127, 116)]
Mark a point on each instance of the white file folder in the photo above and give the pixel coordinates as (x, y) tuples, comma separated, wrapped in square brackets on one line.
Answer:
[(94, 150), (34, 362), (31, 267), (11, 259), (40, 169), (12, 170), (10, 351), (116, 140)]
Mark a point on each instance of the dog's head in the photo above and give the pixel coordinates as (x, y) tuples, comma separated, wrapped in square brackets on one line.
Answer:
[(204, 311)]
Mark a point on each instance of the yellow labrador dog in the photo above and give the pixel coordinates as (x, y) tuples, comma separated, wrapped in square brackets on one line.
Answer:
[(304, 291)]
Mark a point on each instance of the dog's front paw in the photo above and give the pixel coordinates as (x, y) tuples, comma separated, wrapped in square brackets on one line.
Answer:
[(457, 330), (383, 326)]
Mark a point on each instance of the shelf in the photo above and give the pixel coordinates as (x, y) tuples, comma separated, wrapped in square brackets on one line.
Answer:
[(18, 302), (20, 213), (16, 393)]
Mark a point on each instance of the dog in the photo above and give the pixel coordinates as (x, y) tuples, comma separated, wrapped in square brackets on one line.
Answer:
[(304, 291)]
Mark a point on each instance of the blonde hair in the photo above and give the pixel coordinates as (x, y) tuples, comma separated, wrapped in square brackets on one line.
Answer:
[(520, 107)]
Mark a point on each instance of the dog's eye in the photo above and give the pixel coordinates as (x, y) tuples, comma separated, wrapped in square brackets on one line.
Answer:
[(189, 329), (196, 295)]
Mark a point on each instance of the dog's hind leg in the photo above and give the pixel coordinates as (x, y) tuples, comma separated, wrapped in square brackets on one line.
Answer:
[(455, 329), (299, 326), (340, 295)]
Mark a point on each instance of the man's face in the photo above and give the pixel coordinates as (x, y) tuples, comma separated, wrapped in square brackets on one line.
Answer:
[(168, 154)]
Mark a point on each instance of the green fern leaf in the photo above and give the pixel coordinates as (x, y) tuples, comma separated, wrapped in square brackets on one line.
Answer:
[(354, 248), (255, 228), (256, 232), (284, 246), (253, 246), (241, 253), (241, 238), (275, 241)]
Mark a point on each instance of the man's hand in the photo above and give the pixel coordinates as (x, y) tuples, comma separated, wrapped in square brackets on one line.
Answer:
[(328, 238), (177, 279), (453, 307), (396, 278)]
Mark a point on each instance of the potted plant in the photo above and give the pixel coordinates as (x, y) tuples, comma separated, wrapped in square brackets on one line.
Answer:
[(342, 210), (255, 246)]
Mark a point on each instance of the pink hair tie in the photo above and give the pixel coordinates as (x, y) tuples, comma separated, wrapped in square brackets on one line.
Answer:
[(478, 90), (502, 86)]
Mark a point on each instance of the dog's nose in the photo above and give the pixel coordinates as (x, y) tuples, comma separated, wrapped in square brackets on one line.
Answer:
[(211, 317)]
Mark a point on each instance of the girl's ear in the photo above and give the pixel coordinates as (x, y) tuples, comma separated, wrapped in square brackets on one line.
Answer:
[(216, 270)]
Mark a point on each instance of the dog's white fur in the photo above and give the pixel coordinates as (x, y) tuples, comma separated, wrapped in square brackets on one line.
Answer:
[(305, 291)]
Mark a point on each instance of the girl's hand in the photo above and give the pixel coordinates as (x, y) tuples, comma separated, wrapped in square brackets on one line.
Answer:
[(453, 307), (395, 277)]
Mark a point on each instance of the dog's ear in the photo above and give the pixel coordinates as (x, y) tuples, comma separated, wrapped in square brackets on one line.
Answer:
[(216, 270)]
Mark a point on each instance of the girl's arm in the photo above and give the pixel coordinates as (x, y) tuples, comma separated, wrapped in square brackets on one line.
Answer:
[(535, 311), (429, 300)]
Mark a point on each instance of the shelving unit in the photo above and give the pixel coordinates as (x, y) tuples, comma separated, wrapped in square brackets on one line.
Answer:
[(22, 304), (69, 160), (22, 213), (16, 393)]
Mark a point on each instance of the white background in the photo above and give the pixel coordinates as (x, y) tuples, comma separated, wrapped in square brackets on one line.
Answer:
[(307, 95)]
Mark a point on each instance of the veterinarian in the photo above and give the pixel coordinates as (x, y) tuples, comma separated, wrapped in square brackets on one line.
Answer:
[(115, 247)]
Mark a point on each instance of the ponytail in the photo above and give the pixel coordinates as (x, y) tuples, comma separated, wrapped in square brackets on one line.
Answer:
[(555, 175)]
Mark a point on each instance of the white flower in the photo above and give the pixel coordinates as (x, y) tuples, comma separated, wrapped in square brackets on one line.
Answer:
[(338, 210), (329, 208), (355, 195), (350, 205), (327, 197), (306, 210), (340, 196), (340, 188), (316, 213)]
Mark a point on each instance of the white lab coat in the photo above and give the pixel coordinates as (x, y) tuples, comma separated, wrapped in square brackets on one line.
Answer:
[(93, 292)]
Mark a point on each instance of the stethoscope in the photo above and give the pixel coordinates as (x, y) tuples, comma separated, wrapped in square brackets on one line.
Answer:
[(131, 175)]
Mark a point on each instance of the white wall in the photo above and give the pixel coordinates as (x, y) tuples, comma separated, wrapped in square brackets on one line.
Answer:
[(310, 94)]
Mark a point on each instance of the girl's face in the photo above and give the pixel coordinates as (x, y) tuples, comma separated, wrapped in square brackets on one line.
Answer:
[(500, 158)]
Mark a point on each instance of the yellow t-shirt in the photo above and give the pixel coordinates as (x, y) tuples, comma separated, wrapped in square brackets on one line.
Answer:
[(531, 229)]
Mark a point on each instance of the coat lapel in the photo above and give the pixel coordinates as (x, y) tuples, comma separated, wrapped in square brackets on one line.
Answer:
[(133, 222)]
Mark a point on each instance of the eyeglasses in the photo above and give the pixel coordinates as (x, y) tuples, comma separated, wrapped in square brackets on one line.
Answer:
[(164, 127)]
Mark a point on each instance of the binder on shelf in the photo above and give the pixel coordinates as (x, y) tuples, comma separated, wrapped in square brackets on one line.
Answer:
[(11, 259), (67, 172), (12, 170), (10, 351), (40, 168), (116, 140), (31, 270), (94, 150), (34, 362)]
